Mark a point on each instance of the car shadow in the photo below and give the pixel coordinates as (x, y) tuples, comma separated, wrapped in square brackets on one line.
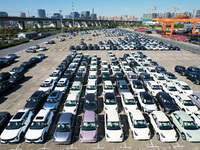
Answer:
[(2, 100), (99, 105), (76, 130), (26, 79), (125, 124), (150, 125), (101, 129)]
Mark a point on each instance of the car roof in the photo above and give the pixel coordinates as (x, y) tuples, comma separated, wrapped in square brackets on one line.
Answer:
[(41, 115), (153, 83), (109, 95), (160, 116), (146, 94), (108, 82), (137, 114), (76, 83), (128, 95), (112, 116), (65, 117), (131, 73), (19, 115), (183, 115), (183, 96), (62, 80), (89, 116), (37, 93), (91, 82), (90, 96), (53, 94), (71, 97)]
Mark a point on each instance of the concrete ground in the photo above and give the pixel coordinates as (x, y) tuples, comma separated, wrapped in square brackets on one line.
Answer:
[(16, 98)]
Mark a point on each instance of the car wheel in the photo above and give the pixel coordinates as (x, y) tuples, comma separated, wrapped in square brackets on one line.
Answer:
[(45, 136), (183, 73), (158, 136), (21, 136), (197, 82), (194, 82), (183, 136)]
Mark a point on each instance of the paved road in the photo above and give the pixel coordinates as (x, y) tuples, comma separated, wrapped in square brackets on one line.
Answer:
[(17, 48)]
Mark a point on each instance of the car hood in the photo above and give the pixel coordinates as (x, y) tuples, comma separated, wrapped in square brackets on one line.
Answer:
[(61, 136), (90, 107), (142, 132), (151, 107), (44, 89), (9, 134), (169, 134), (114, 134), (50, 105), (194, 134), (172, 107), (70, 109), (34, 134), (88, 134), (31, 105)]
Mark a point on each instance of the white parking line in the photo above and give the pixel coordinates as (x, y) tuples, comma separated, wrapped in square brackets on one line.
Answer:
[(13, 101), (98, 147), (152, 146), (72, 147), (44, 146), (125, 147), (17, 148), (178, 146)]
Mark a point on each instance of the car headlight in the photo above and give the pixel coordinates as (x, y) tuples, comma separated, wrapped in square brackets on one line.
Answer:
[(162, 135), (107, 135), (121, 135), (189, 135), (135, 133)]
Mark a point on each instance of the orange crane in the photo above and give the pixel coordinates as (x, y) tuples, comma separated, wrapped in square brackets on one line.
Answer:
[(180, 18)]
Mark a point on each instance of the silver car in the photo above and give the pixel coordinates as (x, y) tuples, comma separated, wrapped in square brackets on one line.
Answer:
[(64, 129)]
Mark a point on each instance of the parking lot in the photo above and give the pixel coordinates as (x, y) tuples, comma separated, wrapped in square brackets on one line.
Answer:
[(16, 99)]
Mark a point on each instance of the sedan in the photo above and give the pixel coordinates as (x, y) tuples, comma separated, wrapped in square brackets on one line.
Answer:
[(16, 69), (195, 97)]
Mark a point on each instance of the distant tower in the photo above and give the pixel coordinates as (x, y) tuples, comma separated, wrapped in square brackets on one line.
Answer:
[(41, 13), (92, 10)]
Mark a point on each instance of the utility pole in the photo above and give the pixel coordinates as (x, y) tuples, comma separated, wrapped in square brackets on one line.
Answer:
[(60, 21), (72, 13)]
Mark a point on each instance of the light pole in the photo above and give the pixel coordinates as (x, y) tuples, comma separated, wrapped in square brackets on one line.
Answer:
[(60, 21), (73, 13)]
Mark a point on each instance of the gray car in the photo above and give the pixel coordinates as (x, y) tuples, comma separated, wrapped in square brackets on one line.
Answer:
[(64, 129), (90, 102), (122, 87)]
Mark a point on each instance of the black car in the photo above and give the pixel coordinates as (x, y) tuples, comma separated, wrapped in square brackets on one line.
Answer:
[(25, 65), (90, 102), (7, 61), (144, 77), (4, 119), (78, 47), (133, 64), (69, 74), (72, 47), (84, 47), (61, 67), (193, 69), (160, 69), (181, 70), (34, 60), (194, 77), (105, 76), (2, 63), (4, 76), (65, 62), (4, 86), (16, 77), (119, 76), (90, 47), (166, 102), (35, 102), (80, 76), (96, 47)]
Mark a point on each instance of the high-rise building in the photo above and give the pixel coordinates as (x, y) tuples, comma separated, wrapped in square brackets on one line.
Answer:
[(87, 14), (41, 13), (4, 14), (75, 15), (23, 14), (94, 16), (57, 15), (196, 13)]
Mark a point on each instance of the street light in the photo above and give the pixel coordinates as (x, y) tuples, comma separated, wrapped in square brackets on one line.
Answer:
[(60, 21)]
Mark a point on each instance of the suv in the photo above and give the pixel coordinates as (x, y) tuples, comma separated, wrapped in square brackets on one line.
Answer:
[(62, 85), (4, 86), (4, 76), (181, 70), (53, 100), (47, 86), (17, 126), (194, 77), (56, 74), (16, 77), (39, 128), (35, 102)]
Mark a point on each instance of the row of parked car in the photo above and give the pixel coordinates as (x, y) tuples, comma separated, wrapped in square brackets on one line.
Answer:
[(170, 94), (37, 48), (16, 74), (5, 61), (192, 73)]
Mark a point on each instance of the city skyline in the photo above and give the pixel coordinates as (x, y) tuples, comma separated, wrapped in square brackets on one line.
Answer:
[(101, 8)]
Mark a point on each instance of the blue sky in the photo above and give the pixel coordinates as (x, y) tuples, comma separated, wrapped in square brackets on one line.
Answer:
[(102, 7)]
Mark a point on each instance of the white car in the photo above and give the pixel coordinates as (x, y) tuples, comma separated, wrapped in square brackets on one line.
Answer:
[(196, 117), (92, 77), (108, 87), (147, 102), (105, 69), (42, 48), (39, 128), (76, 88), (71, 104), (127, 69), (101, 47), (153, 87), (170, 77), (104, 64), (185, 103), (110, 103), (62, 85), (41, 56), (113, 127), (55, 75), (128, 102), (170, 88), (159, 78), (91, 87), (163, 128), (138, 125), (183, 87), (82, 69), (47, 86), (151, 71), (93, 69), (115, 69), (17, 126), (137, 87)]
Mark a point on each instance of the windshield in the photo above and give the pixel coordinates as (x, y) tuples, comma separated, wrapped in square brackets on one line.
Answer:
[(172, 77), (105, 69), (108, 87), (129, 101), (70, 103), (155, 87), (67, 73), (14, 125), (75, 88), (116, 69), (33, 100), (172, 88), (54, 75), (132, 76), (37, 125), (128, 69), (190, 125), (89, 102), (161, 78), (90, 87), (92, 77), (140, 124), (148, 101), (165, 125), (113, 126), (61, 85), (93, 69), (186, 87), (45, 85), (123, 87), (138, 86), (188, 103), (147, 77), (105, 76), (140, 70), (51, 100), (110, 101), (62, 127), (88, 126)]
